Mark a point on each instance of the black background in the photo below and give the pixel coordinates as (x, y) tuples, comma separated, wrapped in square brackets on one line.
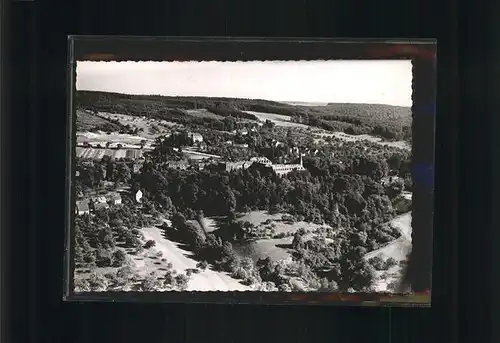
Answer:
[(33, 161)]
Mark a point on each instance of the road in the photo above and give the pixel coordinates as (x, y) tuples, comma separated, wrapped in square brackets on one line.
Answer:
[(399, 248), (207, 280)]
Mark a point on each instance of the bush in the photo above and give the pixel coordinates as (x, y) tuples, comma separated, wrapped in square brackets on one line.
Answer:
[(97, 283), (159, 254), (149, 244), (150, 284), (268, 286), (81, 285), (378, 263), (182, 281), (251, 280), (119, 258), (390, 262), (169, 280), (240, 273), (125, 273), (203, 265), (284, 288), (103, 258)]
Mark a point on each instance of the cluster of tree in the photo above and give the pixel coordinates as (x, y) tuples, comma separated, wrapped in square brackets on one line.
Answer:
[(95, 244), (382, 265), (338, 199), (93, 174)]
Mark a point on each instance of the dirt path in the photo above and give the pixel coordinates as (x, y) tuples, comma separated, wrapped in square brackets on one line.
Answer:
[(398, 248), (207, 280)]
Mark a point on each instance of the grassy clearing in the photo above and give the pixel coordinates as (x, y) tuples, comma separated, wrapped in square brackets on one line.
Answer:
[(148, 127), (88, 122), (97, 154), (264, 220), (276, 249), (278, 119)]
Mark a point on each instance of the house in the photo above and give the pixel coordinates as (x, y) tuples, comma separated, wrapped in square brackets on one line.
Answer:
[(283, 169), (195, 137), (177, 165), (262, 160), (100, 199), (230, 166), (115, 199), (243, 132), (82, 207)]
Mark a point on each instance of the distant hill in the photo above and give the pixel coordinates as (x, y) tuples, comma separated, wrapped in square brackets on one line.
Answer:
[(391, 122)]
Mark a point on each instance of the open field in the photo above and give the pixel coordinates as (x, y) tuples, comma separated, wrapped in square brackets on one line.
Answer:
[(102, 137), (207, 280), (275, 248), (97, 154), (149, 127), (86, 121), (258, 218), (364, 137), (278, 119)]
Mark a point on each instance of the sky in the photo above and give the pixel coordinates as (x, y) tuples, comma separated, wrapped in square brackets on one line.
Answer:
[(341, 81)]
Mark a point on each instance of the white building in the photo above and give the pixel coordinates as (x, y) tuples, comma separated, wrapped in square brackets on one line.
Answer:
[(115, 199), (138, 196), (283, 169), (82, 207), (196, 137), (261, 160)]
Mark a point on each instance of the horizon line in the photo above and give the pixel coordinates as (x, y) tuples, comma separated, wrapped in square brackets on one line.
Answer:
[(288, 102)]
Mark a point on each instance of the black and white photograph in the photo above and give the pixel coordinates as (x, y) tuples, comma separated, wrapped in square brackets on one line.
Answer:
[(265, 176)]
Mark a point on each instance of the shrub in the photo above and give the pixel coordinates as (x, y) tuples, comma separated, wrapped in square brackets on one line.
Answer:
[(125, 273), (81, 285), (169, 280), (390, 262), (240, 273), (378, 263), (284, 288), (182, 281), (268, 286), (251, 280), (203, 265), (97, 283), (103, 258), (149, 244), (119, 258), (150, 284)]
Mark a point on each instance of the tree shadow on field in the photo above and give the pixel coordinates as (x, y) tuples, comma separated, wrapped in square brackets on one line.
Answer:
[(284, 246)]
